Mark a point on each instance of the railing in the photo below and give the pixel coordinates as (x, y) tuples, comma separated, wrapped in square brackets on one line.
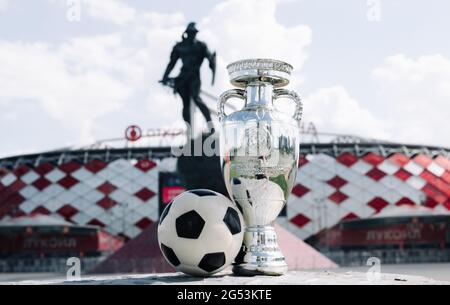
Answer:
[(389, 256), (47, 264)]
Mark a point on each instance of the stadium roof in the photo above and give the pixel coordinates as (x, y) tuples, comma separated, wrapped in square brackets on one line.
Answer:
[(410, 211), (34, 220), (108, 154)]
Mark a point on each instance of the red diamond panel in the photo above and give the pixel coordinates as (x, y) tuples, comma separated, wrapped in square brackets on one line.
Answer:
[(14, 199), (145, 194), (373, 159), (21, 170), (96, 222), (447, 204), (69, 167), (12, 189), (107, 188), (3, 172), (67, 211), (302, 160), (429, 177), (405, 201), (68, 181), (350, 216), (9, 203), (375, 174), (443, 161), (41, 183), (337, 182), (430, 202), (41, 211), (378, 203), (337, 197), (95, 166), (402, 174), (347, 159), (437, 182), (446, 177), (300, 220), (399, 159), (106, 203), (423, 160), (434, 193), (143, 223), (44, 168), (300, 190), (145, 165), (442, 186)]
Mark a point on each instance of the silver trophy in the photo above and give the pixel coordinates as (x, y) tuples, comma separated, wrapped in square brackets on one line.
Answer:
[(259, 151)]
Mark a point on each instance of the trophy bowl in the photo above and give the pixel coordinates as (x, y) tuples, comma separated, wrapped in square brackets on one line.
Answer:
[(259, 151)]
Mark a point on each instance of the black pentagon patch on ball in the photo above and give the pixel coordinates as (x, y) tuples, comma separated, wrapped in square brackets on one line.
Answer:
[(165, 212), (202, 193), (232, 221), (170, 255), (189, 225), (212, 261), (236, 181), (240, 257), (261, 176)]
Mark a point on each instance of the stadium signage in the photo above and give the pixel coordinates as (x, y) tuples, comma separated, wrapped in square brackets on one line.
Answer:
[(50, 243), (133, 133), (393, 235)]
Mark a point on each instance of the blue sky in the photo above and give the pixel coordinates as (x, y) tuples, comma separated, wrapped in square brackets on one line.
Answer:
[(65, 83)]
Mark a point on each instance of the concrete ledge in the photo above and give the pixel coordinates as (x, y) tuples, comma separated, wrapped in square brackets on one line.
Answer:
[(226, 278)]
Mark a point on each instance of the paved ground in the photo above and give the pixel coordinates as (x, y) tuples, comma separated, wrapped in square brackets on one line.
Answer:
[(226, 278)]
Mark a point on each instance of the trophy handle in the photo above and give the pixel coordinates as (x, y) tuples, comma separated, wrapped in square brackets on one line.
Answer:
[(280, 93), (238, 93)]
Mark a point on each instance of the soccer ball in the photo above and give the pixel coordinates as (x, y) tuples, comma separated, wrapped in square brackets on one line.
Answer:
[(200, 232)]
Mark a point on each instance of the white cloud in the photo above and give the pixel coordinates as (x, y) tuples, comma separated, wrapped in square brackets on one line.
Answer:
[(413, 97), (333, 110), (249, 29), (76, 98), (105, 79), (4, 5), (110, 10), (87, 78)]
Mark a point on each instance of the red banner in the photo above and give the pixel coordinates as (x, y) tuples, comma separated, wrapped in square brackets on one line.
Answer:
[(390, 234), (95, 241), (170, 192)]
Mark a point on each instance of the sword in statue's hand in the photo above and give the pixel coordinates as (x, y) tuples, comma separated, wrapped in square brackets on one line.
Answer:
[(169, 82), (212, 65)]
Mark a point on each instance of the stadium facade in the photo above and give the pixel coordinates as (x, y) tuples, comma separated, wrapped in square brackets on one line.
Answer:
[(118, 189)]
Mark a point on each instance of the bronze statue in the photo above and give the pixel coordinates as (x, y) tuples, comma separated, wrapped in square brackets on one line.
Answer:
[(187, 84)]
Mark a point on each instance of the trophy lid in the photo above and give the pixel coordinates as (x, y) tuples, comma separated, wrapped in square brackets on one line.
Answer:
[(272, 71)]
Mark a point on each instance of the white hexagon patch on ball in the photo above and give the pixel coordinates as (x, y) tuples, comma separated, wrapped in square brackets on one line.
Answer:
[(200, 232)]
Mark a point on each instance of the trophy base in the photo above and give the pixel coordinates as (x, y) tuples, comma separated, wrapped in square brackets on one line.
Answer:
[(262, 255)]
